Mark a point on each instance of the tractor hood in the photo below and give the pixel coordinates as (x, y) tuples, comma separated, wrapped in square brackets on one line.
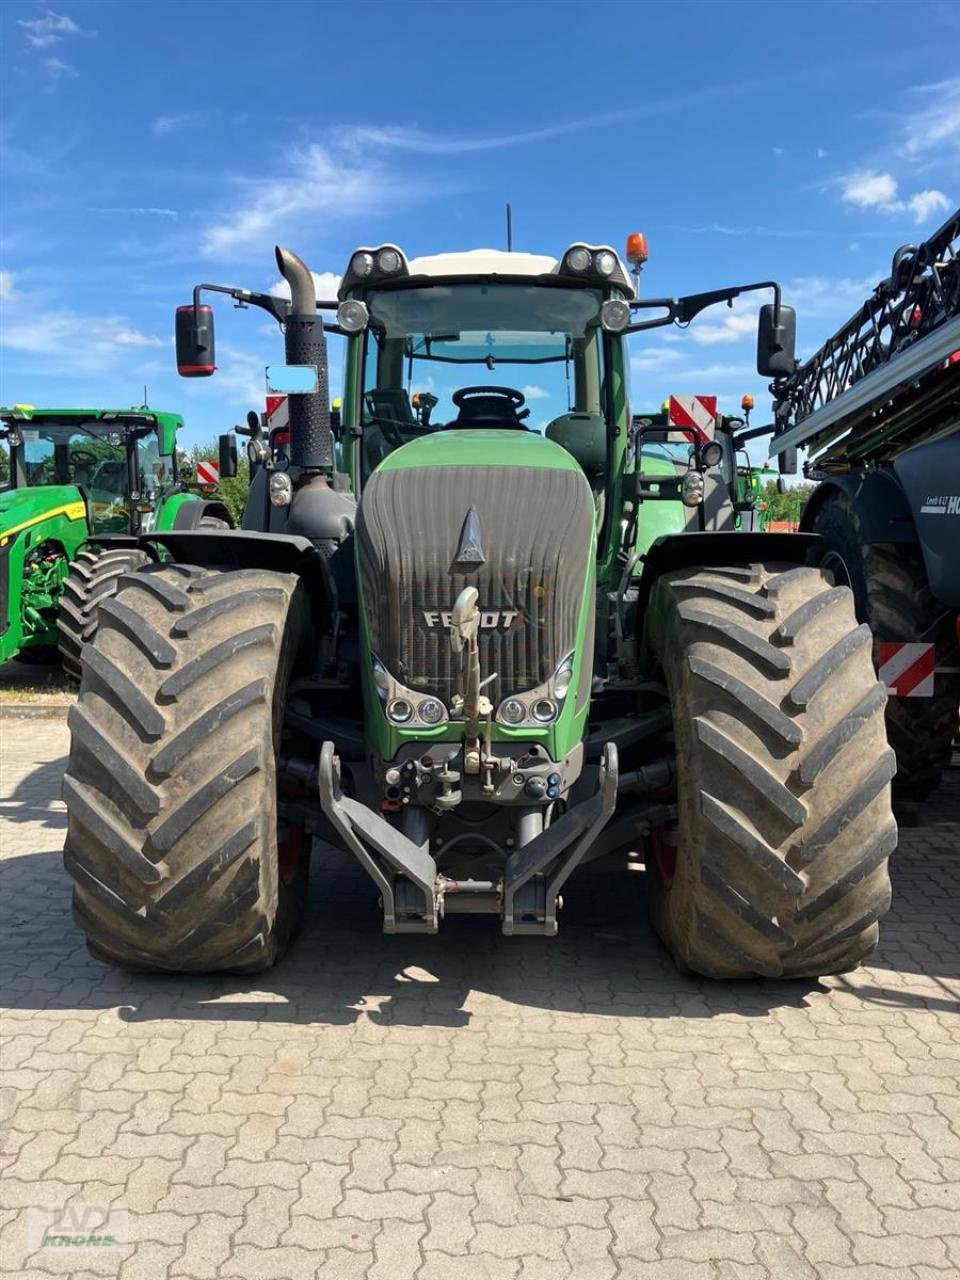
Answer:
[(505, 511), (476, 447), (21, 508)]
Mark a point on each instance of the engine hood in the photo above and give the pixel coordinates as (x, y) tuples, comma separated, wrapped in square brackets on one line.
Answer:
[(479, 447)]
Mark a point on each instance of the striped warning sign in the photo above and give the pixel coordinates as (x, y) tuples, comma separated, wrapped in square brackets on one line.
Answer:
[(694, 413), (208, 472), (907, 669)]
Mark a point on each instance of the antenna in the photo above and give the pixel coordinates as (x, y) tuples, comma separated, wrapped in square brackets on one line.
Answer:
[(146, 402), (509, 228)]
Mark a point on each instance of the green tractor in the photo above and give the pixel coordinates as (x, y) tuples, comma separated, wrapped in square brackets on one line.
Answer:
[(82, 484), (484, 632)]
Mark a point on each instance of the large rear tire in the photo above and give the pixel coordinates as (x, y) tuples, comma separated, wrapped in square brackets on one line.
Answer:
[(778, 865), (92, 578), (889, 584), (170, 788)]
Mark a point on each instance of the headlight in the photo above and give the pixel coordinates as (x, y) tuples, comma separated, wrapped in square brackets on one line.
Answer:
[(352, 316), (711, 455), (544, 710), (280, 489), (614, 315), (388, 261), (399, 711), (562, 677), (512, 711), (361, 264), (578, 260), (381, 678), (691, 489), (431, 710), (604, 263)]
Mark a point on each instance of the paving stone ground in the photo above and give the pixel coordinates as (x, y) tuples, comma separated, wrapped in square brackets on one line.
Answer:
[(471, 1107)]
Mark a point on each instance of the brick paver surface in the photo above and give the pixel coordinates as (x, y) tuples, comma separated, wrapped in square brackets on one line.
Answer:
[(471, 1106)]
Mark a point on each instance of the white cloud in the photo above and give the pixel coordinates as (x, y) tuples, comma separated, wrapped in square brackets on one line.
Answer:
[(71, 337), (57, 69), (327, 284), (321, 182), (50, 29), (731, 328), (936, 124), (136, 210), (778, 151), (821, 153), (868, 190), (532, 392), (173, 123), (8, 292), (926, 203)]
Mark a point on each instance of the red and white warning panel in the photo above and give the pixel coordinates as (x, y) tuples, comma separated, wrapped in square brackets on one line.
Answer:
[(208, 472), (278, 412), (694, 413), (907, 670)]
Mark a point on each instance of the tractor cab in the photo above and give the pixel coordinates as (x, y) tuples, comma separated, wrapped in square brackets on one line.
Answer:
[(123, 462)]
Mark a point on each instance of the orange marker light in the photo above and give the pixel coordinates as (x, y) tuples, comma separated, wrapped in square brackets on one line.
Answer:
[(637, 251), (746, 402)]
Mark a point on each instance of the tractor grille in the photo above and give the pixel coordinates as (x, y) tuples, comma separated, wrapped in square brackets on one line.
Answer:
[(535, 532)]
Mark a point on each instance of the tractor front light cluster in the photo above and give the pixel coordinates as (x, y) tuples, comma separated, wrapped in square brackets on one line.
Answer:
[(598, 262), (403, 706), (540, 706), (370, 266)]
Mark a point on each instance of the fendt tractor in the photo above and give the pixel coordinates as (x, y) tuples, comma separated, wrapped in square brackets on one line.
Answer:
[(490, 632), (82, 484), (877, 408)]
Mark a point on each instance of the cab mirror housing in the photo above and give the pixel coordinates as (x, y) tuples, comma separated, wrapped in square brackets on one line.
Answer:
[(776, 341), (788, 462), (228, 456), (196, 356)]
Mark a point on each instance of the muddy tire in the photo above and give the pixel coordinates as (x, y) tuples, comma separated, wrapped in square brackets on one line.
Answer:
[(778, 866), (889, 584), (92, 578), (172, 838)]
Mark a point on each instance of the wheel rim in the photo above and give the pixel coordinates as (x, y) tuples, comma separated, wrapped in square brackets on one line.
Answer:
[(664, 858), (289, 852)]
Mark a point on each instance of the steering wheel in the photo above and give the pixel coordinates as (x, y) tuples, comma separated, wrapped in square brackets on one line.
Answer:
[(494, 405), (85, 457), (516, 398)]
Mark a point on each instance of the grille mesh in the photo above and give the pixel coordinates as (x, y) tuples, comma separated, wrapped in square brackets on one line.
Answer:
[(536, 531)]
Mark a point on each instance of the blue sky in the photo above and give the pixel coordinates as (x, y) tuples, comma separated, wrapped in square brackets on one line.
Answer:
[(146, 146)]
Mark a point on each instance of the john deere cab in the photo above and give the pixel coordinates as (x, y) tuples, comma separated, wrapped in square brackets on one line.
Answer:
[(486, 630), (82, 484)]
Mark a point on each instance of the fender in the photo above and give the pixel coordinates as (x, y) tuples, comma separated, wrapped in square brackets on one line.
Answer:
[(189, 515), (880, 502), (686, 550), (242, 549)]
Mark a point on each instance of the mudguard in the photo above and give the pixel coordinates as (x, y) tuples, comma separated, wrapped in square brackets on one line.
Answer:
[(190, 514), (881, 505)]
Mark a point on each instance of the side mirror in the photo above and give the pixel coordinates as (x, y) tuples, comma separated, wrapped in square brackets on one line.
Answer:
[(788, 462), (781, 485), (776, 343), (228, 456), (196, 357)]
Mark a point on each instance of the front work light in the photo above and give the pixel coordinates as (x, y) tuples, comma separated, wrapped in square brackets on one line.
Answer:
[(578, 260), (614, 315), (353, 316), (711, 455)]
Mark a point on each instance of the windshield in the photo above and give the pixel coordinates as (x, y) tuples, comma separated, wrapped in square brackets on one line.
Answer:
[(92, 454), (425, 345)]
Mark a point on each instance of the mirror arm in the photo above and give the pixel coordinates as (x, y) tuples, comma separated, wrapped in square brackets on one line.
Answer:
[(683, 310), (754, 433), (277, 307)]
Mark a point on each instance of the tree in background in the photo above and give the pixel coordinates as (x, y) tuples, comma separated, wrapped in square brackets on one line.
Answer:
[(786, 506), (232, 493)]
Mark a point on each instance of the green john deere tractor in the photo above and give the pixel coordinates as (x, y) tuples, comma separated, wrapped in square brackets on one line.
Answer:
[(488, 630), (82, 483)]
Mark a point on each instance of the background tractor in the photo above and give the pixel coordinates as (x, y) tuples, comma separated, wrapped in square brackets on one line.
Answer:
[(82, 484), (474, 643)]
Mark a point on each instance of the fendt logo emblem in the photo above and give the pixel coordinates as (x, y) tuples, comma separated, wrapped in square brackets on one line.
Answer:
[(490, 619)]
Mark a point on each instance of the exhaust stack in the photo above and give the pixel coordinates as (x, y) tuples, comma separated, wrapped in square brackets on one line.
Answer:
[(311, 436)]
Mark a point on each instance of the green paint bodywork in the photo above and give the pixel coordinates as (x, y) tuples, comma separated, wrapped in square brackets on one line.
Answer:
[(39, 538)]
